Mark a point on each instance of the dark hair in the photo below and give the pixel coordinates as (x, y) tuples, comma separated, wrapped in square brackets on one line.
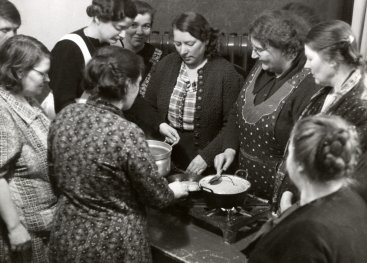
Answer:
[(335, 41), (303, 11), (198, 27), (327, 146), (112, 10), (143, 7), (19, 53), (280, 29), (9, 12), (108, 72)]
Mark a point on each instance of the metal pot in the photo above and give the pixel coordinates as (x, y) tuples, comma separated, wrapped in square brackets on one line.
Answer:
[(161, 153), (229, 191)]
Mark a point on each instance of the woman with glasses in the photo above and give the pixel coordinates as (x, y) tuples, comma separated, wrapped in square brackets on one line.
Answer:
[(27, 202), (274, 95), (110, 18), (193, 91)]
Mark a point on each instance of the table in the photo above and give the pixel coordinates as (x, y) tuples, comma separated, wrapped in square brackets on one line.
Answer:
[(177, 239)]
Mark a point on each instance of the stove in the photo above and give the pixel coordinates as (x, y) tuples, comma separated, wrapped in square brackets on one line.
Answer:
[(230, 222)]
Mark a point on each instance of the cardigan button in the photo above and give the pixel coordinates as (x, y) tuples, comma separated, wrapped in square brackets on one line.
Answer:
[(199, 98), (200, 90), (201, 83), (198, 107), (200, 77), (200, 71)]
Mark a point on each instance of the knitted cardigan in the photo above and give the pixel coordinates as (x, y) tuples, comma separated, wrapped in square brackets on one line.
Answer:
[(218, 88)]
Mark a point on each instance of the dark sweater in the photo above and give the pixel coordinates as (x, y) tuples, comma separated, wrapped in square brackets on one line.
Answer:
[(66, 71), (218, 87), (332, 229)]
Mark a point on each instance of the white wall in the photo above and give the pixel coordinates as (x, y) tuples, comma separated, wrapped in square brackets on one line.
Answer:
[(49, 20)]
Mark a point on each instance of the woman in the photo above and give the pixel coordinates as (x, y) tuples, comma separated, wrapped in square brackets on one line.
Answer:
[(193, 91), (329, 224), (103, 169), (73, 51), (274, 96), (27, 202), (335, 62), (136, 37), (9, 20)]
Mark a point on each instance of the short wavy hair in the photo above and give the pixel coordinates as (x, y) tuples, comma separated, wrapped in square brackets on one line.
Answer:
[(280, 29), (19, 53), (198, 27), (327, 147), (112, 10), (107, 74)]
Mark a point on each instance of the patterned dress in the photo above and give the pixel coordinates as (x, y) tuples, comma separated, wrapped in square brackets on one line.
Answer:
[(23, 163), (105, 175), (351, 106)]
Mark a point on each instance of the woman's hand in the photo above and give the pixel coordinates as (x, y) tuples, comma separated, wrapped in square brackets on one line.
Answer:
[(170, 133), (19, 238), (197, 165), (223, 160), (179, 189)]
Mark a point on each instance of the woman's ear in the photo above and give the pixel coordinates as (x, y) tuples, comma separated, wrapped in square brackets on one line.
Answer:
[(300, 168), (18, 74), (96, 20), (333, 64)]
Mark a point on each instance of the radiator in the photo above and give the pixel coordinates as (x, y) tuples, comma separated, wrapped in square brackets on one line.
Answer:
[(233, 47)]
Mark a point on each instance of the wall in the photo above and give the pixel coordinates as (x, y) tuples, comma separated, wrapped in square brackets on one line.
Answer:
[(48, 20)]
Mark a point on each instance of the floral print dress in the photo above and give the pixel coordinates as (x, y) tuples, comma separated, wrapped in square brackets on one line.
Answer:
[(105, 175)]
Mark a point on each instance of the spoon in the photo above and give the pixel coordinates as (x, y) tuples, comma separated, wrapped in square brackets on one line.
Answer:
[(216, 177)]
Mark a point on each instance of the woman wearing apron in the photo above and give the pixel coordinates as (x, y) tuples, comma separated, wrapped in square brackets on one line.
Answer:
[(274, 95), (72, 52)]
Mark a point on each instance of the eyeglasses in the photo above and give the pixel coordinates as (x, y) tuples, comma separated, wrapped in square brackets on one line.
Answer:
[(258, 50), (144, 27), (43, 74)]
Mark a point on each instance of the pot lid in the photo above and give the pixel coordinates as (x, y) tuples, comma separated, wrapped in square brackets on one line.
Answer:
[(229, 184)]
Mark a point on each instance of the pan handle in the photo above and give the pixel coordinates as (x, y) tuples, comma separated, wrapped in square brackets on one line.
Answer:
[(242, 170), (206, 189)]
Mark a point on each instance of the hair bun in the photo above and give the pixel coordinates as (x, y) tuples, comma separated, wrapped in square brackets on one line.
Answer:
[(94, 10), (331, 152)]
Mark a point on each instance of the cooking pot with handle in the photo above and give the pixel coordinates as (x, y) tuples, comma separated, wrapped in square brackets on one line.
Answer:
[(229, 191), (161, 153)]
